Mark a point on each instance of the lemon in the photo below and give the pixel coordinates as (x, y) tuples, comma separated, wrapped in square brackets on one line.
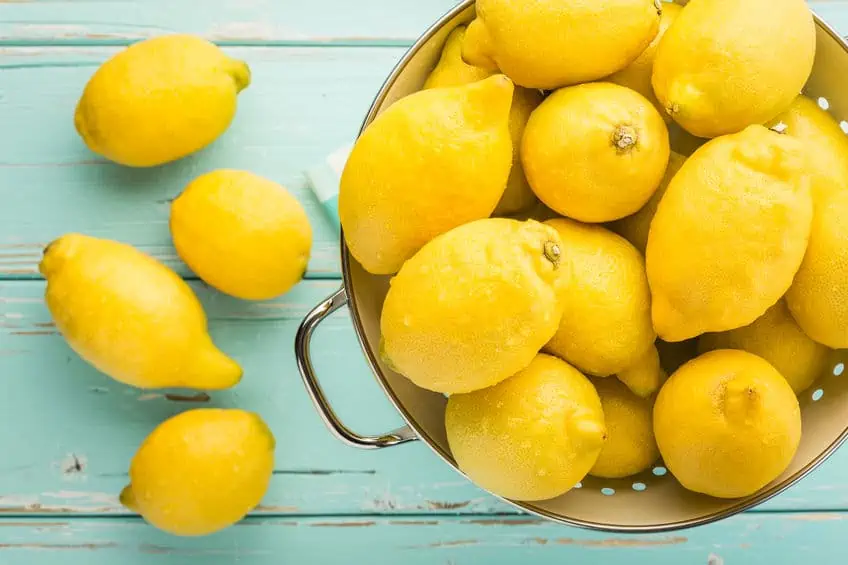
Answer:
[(646, 376), (606, 322), (475, 305), (635, 228), (630, 447), (727, 424), (637, 75), (818, 298), (595, 152), (159, 100), (432, 161), (518, 195), (724, 65), (550, 43), (242, 234), (825, 142), (451, 70), (533, 436), (729, 234), (201, 471), (776, 337), (131, 317)]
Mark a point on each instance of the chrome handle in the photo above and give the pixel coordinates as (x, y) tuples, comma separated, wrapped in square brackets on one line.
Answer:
[(304, 364)]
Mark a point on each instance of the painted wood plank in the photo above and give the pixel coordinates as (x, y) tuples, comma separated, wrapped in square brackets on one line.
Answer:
[(333, 22), (768, 539), (304, 103), (75, 430), (240, 22)]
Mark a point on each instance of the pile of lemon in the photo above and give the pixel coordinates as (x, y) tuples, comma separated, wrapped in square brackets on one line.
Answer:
[(136, 320), (613, 230)]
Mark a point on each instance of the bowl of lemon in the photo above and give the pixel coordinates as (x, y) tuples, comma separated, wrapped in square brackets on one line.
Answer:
[(592, 252)]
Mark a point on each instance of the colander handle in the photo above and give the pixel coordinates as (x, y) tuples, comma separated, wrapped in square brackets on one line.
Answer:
[(304, 364)]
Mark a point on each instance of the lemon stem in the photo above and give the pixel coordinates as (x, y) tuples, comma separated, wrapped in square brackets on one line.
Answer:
[(552, 253), (624, 138), (127, 498), (658, 5), (739, 401)]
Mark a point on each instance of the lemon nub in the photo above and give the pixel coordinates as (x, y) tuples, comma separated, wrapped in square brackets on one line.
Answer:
[(624, 138), (552, 252)]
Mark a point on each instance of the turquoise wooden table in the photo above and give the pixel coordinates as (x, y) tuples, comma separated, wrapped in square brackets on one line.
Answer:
[(67, 433)]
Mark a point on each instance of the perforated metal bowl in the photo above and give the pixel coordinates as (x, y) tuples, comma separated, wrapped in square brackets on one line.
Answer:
[(651, 502)]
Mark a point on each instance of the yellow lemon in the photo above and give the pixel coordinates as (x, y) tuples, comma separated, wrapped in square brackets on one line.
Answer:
[(529, 43), (606, 321), (518, 195), (825, 142), (646, 376), (729, 234), (451, 70), (776, 337), (630, 447), (242, 234), (131, 317), (159, 100), (533, 436), (727, 424), (201, 471), (637, 75), (475, 305), (432, 161), (635, 228), (818, 298), (595, 152), (724, 65)]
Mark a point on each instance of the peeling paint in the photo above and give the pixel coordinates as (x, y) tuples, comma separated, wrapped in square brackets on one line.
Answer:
[(621, 542), (277, 509), (437, 505), (443, 544), (59, 546), (366, 524), (505, 522), (413, 522), (818, 517)]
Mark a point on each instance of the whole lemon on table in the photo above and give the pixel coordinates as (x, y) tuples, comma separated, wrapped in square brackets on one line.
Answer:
[(475, 305), (606, 321), (825, 142), (646, 376), (201, 471), (724, 65), (451, 70), (595, 152), (241, 233), (550, 43), (533, 436), (729, 234), (636, 227), (818, 298), (131, 317), (727, 424), (637, 75), (159, 100), (630, 446), (432, 161), (776, 337)]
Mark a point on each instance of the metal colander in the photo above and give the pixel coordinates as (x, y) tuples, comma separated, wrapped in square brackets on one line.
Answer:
[(650, 502)]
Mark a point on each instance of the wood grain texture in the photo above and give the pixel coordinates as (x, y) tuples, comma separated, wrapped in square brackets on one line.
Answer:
[(80, 429), (239, 22), (761, 539), (303, 103)]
